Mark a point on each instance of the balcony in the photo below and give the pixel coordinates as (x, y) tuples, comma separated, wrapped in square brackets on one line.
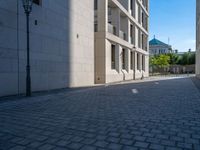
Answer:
[(131, 40), (111, 29), (122, 35)]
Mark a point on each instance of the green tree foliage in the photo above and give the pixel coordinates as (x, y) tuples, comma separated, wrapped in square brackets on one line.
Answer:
[(187, 59), (174, 58), (160, 61)]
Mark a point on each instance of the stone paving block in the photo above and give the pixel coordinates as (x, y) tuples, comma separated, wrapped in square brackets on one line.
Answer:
[(101, 144), (176, 138), (113, 139), (46, 147), (168, 143), (88, 141), (141, 144), (173, 148), (62, 143), (156, 147), (162, 136), (130, 148), (87, 147), (184, 145), (139, 138), (114, 146), (18, 147), (75, 146), (192, 141), (34, 144), (126, 142), (148, 135)]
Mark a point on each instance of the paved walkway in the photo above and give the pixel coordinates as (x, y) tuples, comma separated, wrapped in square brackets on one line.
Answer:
[(157, 115)]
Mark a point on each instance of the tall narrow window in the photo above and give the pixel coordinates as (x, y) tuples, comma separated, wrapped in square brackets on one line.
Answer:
[(123, 59), (138, 61), (142, 41), (113, 57), (131, 33), (131, 3), (139, 38), (143, 62), (131, 60), (95, 4)]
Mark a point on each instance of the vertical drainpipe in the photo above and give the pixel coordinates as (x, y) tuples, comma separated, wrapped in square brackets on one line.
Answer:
[(18, 91)]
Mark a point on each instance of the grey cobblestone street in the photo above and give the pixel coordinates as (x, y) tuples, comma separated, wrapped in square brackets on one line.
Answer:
[(162, 115)]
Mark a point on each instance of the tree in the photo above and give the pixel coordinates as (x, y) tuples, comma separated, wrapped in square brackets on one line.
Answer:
[(173, 58), (163, 61), (159, 62), (187, 58)]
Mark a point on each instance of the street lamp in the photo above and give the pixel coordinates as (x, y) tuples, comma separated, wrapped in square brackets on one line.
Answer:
[(27, 4)]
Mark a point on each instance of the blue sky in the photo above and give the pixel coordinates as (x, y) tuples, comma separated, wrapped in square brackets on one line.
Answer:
[(174, 19)]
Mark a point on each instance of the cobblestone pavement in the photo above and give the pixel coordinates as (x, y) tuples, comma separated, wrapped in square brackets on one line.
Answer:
[(158, 115)]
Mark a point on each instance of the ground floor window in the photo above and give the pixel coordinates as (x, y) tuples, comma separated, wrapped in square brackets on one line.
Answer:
[(113, 57), (138, 61), (123, 59), (131, 59), (143, 62)]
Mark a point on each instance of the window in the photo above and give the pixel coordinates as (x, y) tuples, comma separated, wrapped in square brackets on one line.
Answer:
[(131, 7), (131, 33), (38, 2), (113, 56), (131, 60), (143, 62), (96, 27), (95, 4), (139, 39), (138, 61), (123, 59)]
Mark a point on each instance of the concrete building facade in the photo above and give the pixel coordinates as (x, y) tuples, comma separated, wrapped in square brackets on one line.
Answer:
[(61, 45), (121, 40), (156, 47), (198, 38), (64, 49)]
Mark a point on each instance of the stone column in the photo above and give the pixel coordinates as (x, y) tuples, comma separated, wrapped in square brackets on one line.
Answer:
[(102, 14)]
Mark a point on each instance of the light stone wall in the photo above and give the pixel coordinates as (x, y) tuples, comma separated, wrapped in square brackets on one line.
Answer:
[(121, 19), (61, 45), (198, 38)]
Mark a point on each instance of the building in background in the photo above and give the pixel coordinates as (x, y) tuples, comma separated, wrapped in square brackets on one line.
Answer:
[(61, 45), (198, 38), (121, 40), (157, 47)]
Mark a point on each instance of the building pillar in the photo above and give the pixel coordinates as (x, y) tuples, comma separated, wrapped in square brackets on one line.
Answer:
[(102, 15)]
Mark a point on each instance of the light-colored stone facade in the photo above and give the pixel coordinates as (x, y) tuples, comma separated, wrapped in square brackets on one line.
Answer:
[(61, 45), (121, 40), (198, 38)]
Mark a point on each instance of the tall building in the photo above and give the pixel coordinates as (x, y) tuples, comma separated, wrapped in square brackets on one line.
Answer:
[(198, 38), (64, 49), (61, 45), (121, 40), (157, 47)]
